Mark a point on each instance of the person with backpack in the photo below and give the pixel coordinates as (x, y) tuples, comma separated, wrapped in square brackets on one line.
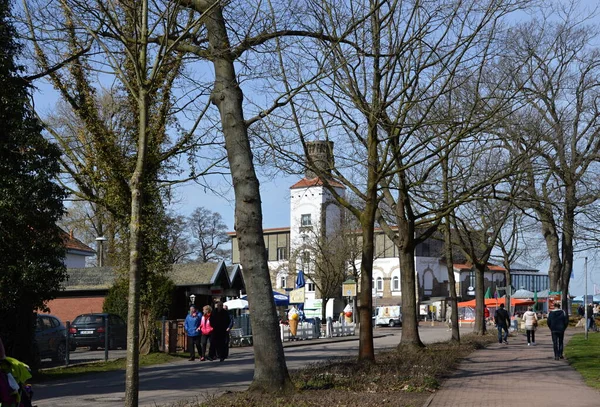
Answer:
[(502, 320), (557, 323)]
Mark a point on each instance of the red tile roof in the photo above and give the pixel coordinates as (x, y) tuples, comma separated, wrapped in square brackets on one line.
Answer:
[(306, 183), (72, 243)]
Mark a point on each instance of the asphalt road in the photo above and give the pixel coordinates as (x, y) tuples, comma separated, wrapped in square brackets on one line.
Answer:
[(169, 383)]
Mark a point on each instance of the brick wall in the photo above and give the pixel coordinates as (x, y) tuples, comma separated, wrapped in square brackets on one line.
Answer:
[(66, 309)]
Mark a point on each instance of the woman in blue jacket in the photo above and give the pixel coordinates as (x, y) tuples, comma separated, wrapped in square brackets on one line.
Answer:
[(192, 326)]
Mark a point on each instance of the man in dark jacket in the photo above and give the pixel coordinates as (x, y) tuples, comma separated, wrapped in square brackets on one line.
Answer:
[(502, 320), (557, 322), (219, 320)]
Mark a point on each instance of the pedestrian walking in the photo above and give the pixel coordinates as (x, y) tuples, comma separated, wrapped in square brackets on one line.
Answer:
[(206, 330), (219, 320), (531, 323), (557, 323), (591, 322), (192, 325), (502, 319), (229, 327)]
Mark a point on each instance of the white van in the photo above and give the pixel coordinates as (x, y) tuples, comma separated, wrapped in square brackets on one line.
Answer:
[(390, 315)]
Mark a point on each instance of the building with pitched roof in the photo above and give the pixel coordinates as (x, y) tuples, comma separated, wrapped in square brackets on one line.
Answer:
[(85, 289)]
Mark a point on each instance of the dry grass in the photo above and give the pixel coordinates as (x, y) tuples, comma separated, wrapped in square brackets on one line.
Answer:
[(404, 377)]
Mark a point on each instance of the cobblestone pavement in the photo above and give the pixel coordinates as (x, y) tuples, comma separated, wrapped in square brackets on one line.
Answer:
[(516, 375)]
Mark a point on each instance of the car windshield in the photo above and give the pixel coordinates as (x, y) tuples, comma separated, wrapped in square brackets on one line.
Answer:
[(89, 319)]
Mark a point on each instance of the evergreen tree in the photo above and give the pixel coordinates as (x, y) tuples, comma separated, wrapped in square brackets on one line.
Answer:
[(31, 245)]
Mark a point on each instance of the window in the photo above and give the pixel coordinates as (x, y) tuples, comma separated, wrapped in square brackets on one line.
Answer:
[(310, 287), (396, 283), (282, 253), (283, 282), (305, 220), (305, 259), (379, 284)]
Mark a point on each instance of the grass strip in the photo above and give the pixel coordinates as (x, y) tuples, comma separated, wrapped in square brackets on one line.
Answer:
[(98, 367), (583, 354)]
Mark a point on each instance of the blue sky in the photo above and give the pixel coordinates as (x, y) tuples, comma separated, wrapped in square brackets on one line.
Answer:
[(275, 199)]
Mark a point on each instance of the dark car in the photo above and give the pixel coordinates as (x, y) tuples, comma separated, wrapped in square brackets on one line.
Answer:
[(50, 338), (89, 330)]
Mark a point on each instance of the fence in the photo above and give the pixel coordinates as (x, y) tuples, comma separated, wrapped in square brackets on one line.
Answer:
[(307, 330)]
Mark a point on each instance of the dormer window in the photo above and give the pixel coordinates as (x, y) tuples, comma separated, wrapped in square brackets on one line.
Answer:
[(305, 220)]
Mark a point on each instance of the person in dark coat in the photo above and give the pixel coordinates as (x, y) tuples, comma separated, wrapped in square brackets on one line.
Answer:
[(557, 323), (220, 321), (502, 320)]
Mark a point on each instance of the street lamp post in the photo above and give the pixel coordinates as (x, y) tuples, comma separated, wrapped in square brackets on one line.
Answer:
[(101, 240), (192, 300)]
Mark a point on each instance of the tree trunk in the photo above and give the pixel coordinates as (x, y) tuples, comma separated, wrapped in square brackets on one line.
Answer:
[(366, 349), (479, 299), (270, 372), (410, 321), (551, 239), (567, 245), (133, 307), (146, 333), (132, 371), (451, 280)]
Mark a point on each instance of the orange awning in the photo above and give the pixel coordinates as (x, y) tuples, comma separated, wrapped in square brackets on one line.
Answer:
[(493, 302)]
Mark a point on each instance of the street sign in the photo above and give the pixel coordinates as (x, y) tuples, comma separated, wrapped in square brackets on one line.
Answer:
[(349, 288), (297, 296)]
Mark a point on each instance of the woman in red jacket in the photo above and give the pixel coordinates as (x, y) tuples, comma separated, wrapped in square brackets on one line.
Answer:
[(206, 329)]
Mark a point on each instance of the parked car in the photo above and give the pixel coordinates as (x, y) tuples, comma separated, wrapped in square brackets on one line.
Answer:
[(89, 330), (51, 337)]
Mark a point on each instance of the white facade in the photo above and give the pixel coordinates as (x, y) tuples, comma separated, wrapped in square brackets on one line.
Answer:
[(309, 200)]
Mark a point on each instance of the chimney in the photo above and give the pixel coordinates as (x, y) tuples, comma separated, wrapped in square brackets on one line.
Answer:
[(71, 234), (321, 153)]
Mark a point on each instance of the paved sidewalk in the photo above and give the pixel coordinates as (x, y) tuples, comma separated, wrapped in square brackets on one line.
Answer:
[(516, 375)]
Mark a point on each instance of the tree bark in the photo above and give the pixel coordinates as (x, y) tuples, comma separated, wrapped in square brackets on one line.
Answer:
[(451, 280), (479, 326), (270, 373), (410, 321), (132, 371), (132, 381)]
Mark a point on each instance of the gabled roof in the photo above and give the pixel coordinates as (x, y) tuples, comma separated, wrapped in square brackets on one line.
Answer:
[(189, 274), (193, 273), (314, 182), (74, 244)]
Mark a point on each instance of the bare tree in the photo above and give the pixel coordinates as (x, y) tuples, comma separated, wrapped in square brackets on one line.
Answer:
[(179, 238), (331, 258), (210, 235), (391, 77), (556, 129)]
